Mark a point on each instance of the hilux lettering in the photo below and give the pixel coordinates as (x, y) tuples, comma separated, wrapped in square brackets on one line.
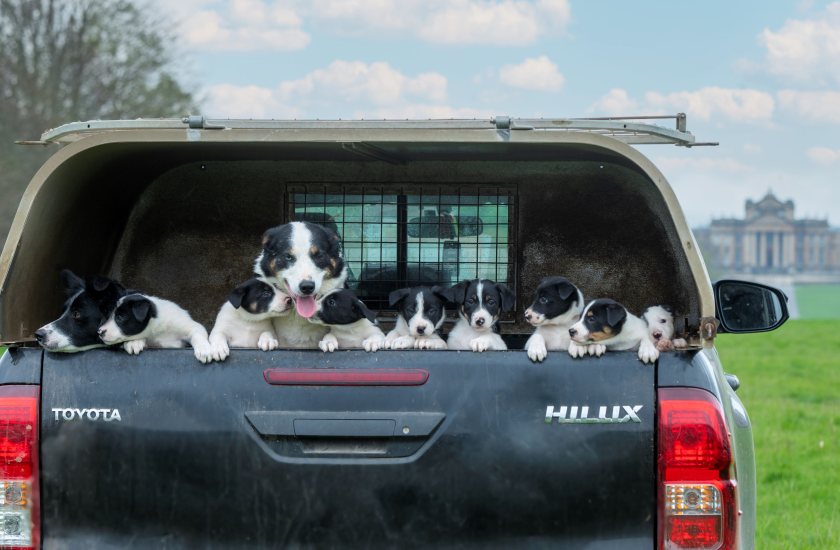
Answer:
[(106, 415), (580, 415)]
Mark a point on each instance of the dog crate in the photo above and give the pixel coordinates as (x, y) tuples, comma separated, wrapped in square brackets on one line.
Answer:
[(178, 208)]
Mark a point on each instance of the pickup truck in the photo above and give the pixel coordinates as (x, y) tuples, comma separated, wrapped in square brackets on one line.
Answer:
[(300, 448)]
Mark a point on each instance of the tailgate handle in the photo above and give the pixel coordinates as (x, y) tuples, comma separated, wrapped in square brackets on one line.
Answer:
[(344, 424)]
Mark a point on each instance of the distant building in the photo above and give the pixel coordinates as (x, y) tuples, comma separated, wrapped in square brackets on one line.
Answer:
[(769, 240)]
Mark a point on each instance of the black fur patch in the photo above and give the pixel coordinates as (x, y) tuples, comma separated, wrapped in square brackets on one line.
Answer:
[(342, 307), (253, 295), (134, 313), (324, 249), (496, 297), (89, 304), (554, 297), (605, 315), (405, 301)]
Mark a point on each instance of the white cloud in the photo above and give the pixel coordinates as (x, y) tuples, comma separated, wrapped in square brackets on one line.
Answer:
[(814, 106), (501, 22), (616, 102), (535, 73), (240, 25), (739, 105), (823, 155), (806, 50), (342, 89), (752, 148), (702, 164)]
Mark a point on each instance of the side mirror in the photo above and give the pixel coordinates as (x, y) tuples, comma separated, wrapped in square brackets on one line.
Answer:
[(743, 306)]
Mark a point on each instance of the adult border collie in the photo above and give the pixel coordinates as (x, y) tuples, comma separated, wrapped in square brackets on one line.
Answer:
[(306, 260)]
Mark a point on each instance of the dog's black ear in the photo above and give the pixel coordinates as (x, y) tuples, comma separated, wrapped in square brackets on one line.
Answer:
[(508, 297), (397, 296), (360, 306), (565, 289), (72, 282), (99, 283), (142, 309), (616, 313), (237, 295), (457, 294), (440, 292)]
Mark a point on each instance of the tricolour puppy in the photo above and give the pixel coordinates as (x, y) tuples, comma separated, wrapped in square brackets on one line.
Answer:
[(89, 303), (420, 313), (480, 302), (350, 322), (660, 322), (607, 325), (557, 305), (141, 321), (245, 320), (306, 260)]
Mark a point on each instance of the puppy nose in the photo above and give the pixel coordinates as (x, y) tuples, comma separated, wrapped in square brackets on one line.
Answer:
[(480, 321), (40, 334), (421, 330), (572, 332), (101, 332), (527, 314), (307, 287), (657, 334)]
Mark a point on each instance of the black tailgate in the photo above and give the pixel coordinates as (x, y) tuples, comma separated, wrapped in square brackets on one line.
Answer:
[(216, 456)]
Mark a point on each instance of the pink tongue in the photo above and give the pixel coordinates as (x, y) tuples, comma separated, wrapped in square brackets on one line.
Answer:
[(305, 306)]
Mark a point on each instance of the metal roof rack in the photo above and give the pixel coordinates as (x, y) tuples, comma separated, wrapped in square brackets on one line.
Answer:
[(627, 129)]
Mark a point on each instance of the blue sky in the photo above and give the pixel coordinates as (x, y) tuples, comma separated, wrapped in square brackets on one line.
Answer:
[(761, 78)]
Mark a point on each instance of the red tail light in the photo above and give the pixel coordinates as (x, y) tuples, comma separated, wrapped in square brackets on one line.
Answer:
[(19, 503), (346, 377), (697, 498)]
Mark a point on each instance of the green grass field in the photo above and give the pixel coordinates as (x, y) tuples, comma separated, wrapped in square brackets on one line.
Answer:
[(790, 385), (818, 301)]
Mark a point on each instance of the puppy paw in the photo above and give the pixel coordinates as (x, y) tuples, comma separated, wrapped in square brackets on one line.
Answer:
[(429, 343), (664, 345), (204, 353), (220, 351), (328, 343), (479, 344), (402, 342), (373, 343), (268, 342), (596, 349), (577, 350), (133, 347), (537, 351), (679, 343), (648, 352)]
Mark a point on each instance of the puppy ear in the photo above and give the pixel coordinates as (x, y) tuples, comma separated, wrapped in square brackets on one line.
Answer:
[(615, 314), (397, 296), (457, 294), (565, 289), (237, 295), (72, 282), (141, 309), (440, 292), (360, 306), (508, 297)]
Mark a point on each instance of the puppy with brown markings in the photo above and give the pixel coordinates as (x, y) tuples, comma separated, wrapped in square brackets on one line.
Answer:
[(607, 325), (660, 322), (557, 305), (480, 303)]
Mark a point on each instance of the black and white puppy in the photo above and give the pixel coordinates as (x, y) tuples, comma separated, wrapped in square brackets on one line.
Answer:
[(245, 320), (480, 302), (306, 260), (141, 321), (351, 324), (607, 325), (89, 303), (420, 313), (660, 322), (557, 306)]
